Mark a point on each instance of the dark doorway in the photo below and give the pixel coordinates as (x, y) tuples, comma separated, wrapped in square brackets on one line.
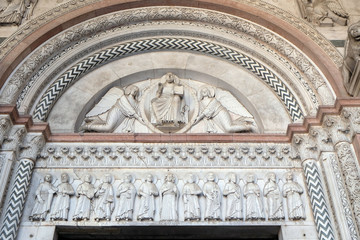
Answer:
[(168, 232)]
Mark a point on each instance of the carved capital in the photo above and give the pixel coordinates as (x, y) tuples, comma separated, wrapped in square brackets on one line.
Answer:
[(32, 147)]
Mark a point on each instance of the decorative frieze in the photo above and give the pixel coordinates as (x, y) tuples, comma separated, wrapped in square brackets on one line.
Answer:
[(163, 196), (138, 155)]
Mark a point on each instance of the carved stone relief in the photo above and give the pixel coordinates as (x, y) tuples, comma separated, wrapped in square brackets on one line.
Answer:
[(44, 195), (292, 193), (14, 12), (161, 199), (323, 13), (351, 65), (169, 105)]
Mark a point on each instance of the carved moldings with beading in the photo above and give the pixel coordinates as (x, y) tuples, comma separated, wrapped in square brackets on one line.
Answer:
[(158, 155), (294, 55)]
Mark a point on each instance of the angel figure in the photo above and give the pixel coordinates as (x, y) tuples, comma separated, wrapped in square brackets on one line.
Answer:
[(62, 202), (191, 193), (214, 112), (317, 11), (44, 195), (126, 193), (169, 196), (107, 116)]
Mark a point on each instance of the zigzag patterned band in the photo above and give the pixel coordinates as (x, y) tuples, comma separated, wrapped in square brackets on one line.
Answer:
[(16, 203), (318, 203), (72, 75)]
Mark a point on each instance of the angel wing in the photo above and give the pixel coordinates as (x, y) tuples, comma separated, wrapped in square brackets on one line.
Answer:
[(106, 102), (336, 8), (231, 103)]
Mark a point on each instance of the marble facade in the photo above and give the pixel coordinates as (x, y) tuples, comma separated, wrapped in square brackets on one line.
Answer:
[(226, 114)]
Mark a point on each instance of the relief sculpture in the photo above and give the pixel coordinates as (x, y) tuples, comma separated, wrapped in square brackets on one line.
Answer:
[(61, 207), (351, 64), (116, 108), (104, 195), (214, 112), (254, 207), (43, 199), (232, 192), (323, 12), (292, 192), (191, 193), (126, 193), (14, 11), (147, 193), (273, 197), (169, 199), (212, 195), (85, 193), (168, 106)]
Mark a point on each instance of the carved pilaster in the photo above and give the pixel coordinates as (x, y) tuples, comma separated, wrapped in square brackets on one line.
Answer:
[(15, 205), (318, 202), (351, 176), (5, 126)]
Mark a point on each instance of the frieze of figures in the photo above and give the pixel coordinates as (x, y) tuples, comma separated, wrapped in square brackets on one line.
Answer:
[(140, 155), (164, 196)]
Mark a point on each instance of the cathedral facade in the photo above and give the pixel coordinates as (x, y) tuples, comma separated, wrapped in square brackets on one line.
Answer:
[(186, 119)]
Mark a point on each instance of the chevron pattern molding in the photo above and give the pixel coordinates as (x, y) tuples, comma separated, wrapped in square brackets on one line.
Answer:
[(16, 203), (318, 203), (72, 75)]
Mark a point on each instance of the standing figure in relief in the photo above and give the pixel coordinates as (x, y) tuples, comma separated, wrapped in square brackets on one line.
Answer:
[(232, 192), (147, 192), (104, 195), (169, 199), (254, 208), (292, 192), (106, 118), (13, 11), (126, 194), (85, 193), (168, 105), (213, 111), (43, 199), (62, 202), (273, 197), (191, 192), (212, 195)]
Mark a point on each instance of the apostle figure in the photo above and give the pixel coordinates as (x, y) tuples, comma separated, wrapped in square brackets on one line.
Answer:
[(168, 105), (104, 195), (43, 199), (232, 192), (147, 192), (126, 193), (254, 208), (169, 199), (85, 193), (191, 192), (212, 195), (62, 202), (292, 192), (273, 198)]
